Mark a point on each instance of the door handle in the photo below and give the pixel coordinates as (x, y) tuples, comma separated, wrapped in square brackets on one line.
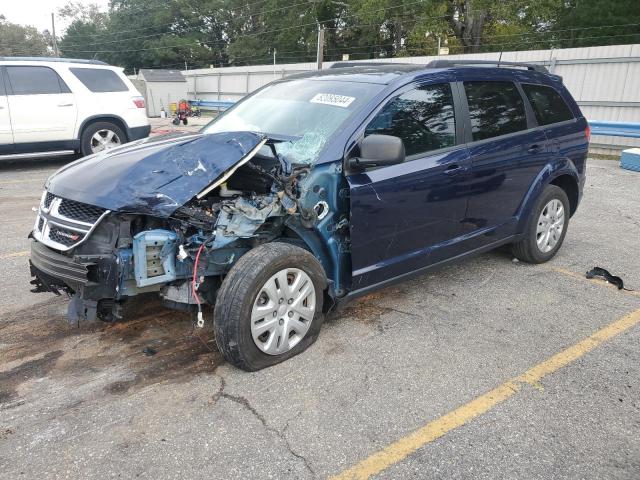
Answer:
[(65, 105), (535, 149), (451, 169)]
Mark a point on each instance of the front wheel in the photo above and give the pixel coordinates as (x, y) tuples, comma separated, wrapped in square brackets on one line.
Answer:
[(546, 228), (269, 307)]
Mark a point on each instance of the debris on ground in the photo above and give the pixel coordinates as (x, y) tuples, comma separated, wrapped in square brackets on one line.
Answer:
[(608, 277), (149, 352)]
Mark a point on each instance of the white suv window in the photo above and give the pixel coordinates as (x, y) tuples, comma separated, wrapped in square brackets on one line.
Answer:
[(100, 80), (26, 80)]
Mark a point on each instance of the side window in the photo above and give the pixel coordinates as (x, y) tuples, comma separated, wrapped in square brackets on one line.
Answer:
[(547, 104), (423, 118), (495, 108), (35, 81), (2, 90), (100, 80)]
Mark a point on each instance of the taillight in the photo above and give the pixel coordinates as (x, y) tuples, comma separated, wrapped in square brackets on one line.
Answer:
[(587, 133), (139, 101)]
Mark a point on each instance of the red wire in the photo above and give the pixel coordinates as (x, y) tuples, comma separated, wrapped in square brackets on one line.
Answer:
[(195, 274)]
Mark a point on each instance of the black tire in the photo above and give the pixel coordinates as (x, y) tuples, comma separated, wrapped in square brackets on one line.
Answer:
[(176, 121), (239, 291), (185, 121), (89, 132), (527, 249)]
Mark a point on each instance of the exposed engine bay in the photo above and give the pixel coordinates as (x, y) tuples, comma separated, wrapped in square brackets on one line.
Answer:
[(183, 256)]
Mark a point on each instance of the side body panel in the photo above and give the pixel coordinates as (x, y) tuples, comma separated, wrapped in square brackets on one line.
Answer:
[(36, 118), (6, 133), (401, 215), (407, 216), (104, 104)]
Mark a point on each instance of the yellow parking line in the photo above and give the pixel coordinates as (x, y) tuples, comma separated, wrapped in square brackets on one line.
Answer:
[(402, 448), (15, 254)]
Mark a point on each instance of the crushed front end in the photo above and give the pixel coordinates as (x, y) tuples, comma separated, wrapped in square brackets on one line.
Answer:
[(152, 242)]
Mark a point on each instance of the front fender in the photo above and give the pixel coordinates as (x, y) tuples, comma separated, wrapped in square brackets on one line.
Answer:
[(552, 170)]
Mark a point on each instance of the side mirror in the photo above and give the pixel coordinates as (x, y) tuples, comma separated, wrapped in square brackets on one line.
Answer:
[(378, 151)]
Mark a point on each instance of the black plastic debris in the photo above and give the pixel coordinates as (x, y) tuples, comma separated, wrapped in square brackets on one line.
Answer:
[(604, 274), (149, 352)]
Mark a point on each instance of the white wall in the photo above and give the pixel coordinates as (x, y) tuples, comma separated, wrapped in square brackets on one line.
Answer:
[(605, 81), (161, 94)]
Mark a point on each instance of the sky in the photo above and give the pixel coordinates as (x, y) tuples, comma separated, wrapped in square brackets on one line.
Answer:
[(37, 13)]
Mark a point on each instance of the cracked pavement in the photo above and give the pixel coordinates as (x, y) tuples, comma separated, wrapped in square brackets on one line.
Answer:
[(88, 403)]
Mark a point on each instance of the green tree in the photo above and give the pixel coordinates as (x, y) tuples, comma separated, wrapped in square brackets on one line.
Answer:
[(170, 33), (88, 26), (18, 40), (584, 23)]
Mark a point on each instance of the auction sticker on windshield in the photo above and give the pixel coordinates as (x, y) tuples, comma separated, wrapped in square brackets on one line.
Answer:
[(333, 99)]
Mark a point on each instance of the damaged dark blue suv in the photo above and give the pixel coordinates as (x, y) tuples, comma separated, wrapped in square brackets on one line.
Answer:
[(313, 190)]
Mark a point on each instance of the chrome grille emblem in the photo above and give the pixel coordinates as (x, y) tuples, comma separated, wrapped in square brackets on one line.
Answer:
[(64, 224)]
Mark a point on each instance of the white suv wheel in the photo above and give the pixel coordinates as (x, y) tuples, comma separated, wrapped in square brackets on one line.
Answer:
[(104, 140)]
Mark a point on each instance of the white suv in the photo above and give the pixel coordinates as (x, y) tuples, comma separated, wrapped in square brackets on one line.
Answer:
[(58, 106)]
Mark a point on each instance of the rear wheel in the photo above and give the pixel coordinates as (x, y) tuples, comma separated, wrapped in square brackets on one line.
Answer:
[(101, 136), (269, 307), (546, 228)]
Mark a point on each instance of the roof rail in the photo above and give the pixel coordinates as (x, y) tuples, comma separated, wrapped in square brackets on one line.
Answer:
[(496, 63), (52, 59), (341, 64)]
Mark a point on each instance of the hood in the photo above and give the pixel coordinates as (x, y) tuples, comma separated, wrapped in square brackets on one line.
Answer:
[(154, 176)]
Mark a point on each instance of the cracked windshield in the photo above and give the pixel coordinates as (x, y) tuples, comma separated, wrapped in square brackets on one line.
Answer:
[(308, 110)]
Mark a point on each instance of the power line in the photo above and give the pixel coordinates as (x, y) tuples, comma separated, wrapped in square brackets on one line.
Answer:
[(201, 43), (224, 43), (311, 58), (496, 36), (390, 8), (421, 49)]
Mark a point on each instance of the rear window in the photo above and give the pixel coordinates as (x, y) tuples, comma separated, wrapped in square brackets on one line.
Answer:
[(495, 108), (29, 80), (548, 106), (100, 80)]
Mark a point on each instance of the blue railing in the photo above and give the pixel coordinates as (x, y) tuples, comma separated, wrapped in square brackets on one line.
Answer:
[(212, 104), (615, 129)]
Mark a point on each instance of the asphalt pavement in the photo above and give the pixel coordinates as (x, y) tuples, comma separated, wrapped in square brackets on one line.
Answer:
[(420, 380)]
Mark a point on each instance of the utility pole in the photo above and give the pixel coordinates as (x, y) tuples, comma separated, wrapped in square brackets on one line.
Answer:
[(185, 66), (320, 52), (274, 63), (56, 52), (439, 44)]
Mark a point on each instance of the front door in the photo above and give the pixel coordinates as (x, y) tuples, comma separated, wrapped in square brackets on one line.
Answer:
[(406, 216), (6, 136), (43, 109)]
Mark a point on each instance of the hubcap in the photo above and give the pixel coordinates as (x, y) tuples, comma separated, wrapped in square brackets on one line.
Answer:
[(104, 140), (550, 226), (283, 311)]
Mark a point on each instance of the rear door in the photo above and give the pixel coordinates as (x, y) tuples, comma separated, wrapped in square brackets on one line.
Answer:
[(6, 135), (565, 133), (405, 217), (507, 153), (43, 109), (105, 90)]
